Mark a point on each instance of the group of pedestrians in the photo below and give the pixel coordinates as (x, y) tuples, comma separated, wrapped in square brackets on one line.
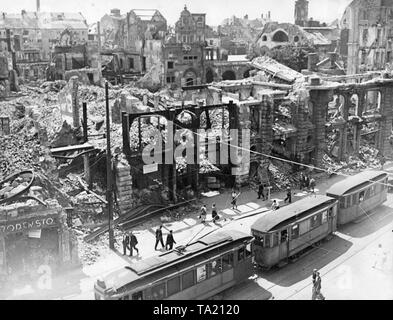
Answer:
[(203, 215), (129, 242), (307, 183), (170, 241)]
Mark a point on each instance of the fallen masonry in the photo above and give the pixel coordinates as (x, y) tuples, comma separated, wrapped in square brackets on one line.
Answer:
[(309, 123)]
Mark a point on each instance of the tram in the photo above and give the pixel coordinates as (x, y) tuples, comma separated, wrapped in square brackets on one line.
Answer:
[(284, 233), (198, 271), (359, 194)]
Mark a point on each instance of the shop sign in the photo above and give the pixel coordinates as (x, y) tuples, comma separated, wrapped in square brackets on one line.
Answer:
[(149, 168), (32, 223), (35, 234)]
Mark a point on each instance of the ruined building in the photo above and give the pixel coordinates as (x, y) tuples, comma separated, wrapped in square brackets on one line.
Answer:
[(301, 13), (33, 35), (366, 38), (238, 34)]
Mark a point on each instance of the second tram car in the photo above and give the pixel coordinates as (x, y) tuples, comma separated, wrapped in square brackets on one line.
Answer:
[(359, 194), (282, 234)]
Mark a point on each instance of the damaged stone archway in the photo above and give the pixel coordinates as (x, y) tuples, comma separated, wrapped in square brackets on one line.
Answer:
[(168, 174), (229, 75), (364, 108), (227, 70)]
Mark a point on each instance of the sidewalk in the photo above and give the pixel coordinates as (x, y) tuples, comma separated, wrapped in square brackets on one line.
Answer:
[(79, 283)]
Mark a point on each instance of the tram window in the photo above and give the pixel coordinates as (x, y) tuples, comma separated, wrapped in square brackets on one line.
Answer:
[(372, 191), (201, 273), (361, 196), (275, 239), (173, 286), (137, 296), (214, 267), (158, 292), (188, 279), (304, 226), (267, 240), (342, 203), (126, 297), (295, 231), (240, 254), (330, 212), (324, 216), (284, 236), (248, 250), (367, 194), (316, 221), (354, 200), (227, 262), (259, 240)]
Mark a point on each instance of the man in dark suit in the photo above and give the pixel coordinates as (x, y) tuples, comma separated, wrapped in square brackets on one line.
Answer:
[(169, 241), (159, 238), (133, 243), (126, 243)]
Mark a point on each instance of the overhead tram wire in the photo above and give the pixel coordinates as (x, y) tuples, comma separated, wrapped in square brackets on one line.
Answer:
[(291, 161)]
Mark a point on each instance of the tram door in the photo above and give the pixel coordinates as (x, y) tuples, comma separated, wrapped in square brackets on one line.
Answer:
[(332, 216), (284, 250)]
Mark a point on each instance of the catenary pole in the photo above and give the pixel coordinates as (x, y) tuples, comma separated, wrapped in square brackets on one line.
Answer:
[(109, 194)]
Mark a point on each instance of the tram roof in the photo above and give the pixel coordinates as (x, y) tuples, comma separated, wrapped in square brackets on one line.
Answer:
[(353, 182), (272, 219), (149, 266)]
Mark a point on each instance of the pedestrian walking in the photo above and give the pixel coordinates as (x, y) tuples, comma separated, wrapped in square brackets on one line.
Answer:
[(159, 238), (261, 192), (306, 182), (275, 205), (318, 287), (215, 216), (314, 275), (289, 196), (380, 257), (169, 241), (203, 214), (312, 185), (126, 243), (234, 199), (301, 182), (133, 243)]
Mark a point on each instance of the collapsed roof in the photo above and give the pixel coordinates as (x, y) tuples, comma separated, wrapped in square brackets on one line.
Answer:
[(275, 69)]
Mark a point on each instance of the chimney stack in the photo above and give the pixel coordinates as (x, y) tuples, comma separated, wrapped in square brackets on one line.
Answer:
[(38, 6), (312, 62)]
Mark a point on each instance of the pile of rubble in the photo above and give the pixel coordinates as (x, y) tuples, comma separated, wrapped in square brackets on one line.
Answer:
[(18, 152), (281, 175), (366, 159)]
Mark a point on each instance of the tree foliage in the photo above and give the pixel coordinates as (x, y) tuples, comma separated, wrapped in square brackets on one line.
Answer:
[(291, 56)]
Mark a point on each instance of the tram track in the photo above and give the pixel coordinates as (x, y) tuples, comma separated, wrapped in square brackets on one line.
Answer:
[(342, 262)]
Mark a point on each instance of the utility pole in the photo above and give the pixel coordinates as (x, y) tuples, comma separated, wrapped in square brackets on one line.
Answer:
[(109, 194), (99, 53)]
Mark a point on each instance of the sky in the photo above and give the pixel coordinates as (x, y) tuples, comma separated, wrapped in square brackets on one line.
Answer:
[(216, 10)]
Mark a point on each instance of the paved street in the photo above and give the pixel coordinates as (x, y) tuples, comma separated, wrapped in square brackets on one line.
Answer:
[(345, 261)]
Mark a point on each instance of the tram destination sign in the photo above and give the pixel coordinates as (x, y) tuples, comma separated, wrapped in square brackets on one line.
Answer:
[(7, 227)]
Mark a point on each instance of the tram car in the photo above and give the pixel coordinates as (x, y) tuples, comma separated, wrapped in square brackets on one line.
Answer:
[(359, 194), (197, 271), (284, 233)]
